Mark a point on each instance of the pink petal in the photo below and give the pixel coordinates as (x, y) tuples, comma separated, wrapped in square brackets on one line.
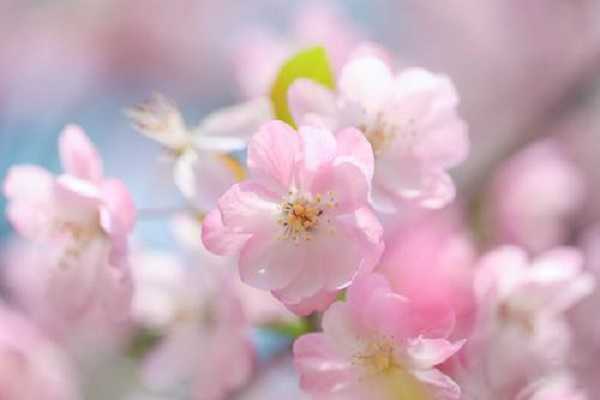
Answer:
[(342, 329), (312, 104), (219, 239), (116, 289), (78, 154), (118, 213), (202, 177), (73, 282), (247, 208), (29, 190), (318, 147), (317, 303), (367, 80), (321, 369), (439, 385), (346, 182), (427, 353), (174, 360), (272, 154), (352, 144), (267, 262)]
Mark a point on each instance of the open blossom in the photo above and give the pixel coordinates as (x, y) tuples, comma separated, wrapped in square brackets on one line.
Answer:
[(204, 331), (522, 306), (81, 220), (203, 169), (31, 367), (378, 346), (410, 120), (306, 199), (535, 196)]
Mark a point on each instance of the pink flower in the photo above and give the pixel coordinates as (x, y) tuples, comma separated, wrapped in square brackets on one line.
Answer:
[(376, 346), (202, 167), (410, 120), (81, 221), (522, 306), (31, 367), (305, 201), (430, 260), (535, 196), (204, 330)]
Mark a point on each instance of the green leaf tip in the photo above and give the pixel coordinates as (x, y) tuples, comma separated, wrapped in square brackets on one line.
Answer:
[(312, 63)]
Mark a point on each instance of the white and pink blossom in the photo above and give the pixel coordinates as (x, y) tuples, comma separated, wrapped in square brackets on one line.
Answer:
[(307, 199), (410, 120), (81, 221), (378, 346)]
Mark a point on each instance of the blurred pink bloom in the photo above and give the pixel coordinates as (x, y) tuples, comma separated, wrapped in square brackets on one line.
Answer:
[(561, 387), (306, 200), (430, 260), (259, 53), (410, 120), (522, 334), (535, 195), (202, 168), (31, 367), (82, 220), (205, 331), (378, 346), (260, 307)]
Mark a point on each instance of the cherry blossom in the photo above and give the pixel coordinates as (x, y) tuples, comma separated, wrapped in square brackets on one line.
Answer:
[(378, 346), (204, 331), (522, 306), (410, 120), (81, 221), (535, 196), (31, 367), (202, 165), (306, 199)]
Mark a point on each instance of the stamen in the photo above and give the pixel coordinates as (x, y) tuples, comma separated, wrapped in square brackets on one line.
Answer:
[(301, 215)]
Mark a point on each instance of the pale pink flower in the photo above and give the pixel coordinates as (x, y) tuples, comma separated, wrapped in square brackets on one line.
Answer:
[(81, 221), (535, 196), (378, 346), (521, 333), (204, 331), (430, 260), (260, 307), (31, 367), (410, 120), (306, 200), (202, 166)]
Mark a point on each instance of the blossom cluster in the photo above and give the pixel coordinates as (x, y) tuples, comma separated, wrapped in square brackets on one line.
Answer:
[(338, 215)]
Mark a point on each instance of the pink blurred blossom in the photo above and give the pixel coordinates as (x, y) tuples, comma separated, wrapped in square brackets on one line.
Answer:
[(560, 387), (535, 196), (522, 334), (430, 260), (306, 199), (410, 120), (31, 367), (81, 220), (204, 330), (377, 345)]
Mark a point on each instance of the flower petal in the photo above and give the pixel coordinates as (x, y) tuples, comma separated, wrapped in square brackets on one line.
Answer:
[(78, 155), (312, 104), (272, 155), (427, 353), (367, 80), (219, 239), (440, 386)]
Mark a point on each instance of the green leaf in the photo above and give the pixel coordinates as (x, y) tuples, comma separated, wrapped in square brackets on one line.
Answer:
[(311, 63), (292, 329)]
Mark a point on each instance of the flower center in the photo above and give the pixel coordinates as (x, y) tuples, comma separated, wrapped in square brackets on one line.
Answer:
[(381, 133), (377, 358), (301, 216), (81, 235)]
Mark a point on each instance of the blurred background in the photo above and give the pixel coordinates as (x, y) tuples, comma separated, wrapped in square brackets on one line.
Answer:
[(526, 70)]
